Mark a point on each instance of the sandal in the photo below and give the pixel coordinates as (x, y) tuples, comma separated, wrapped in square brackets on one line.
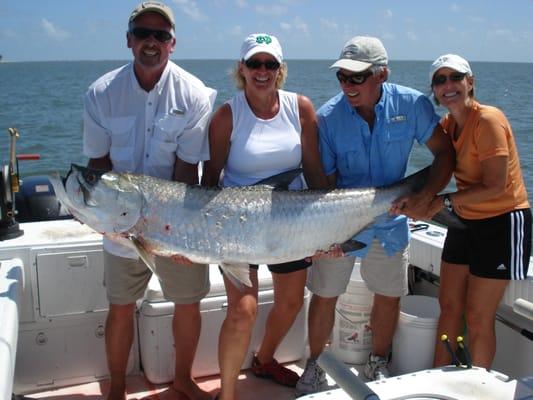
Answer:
[(275, 371)]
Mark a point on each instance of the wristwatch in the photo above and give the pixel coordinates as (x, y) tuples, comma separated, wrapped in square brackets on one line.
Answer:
[(447, 201)]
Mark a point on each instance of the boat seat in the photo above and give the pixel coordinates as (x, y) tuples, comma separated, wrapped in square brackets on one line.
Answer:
[(155, 294), (11, 279)]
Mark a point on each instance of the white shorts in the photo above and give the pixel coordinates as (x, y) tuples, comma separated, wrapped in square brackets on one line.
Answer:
[(329, 277)]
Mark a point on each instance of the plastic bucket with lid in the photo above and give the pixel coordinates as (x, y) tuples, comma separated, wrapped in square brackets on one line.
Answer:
[(413, 345), (352, 337)]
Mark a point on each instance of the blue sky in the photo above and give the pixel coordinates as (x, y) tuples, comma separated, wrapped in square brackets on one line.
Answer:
[(480, 30)]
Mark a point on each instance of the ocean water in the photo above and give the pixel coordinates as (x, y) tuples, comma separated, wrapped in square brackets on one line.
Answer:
[(44, 101)]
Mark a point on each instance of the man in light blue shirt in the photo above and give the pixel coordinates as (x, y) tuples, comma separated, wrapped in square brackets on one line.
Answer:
[(366, 135)]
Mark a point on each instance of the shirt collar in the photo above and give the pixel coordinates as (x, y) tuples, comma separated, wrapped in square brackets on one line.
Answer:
[(158, 86)]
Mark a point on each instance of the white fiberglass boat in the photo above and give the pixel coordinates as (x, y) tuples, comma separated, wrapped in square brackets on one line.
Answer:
[(53, 308)]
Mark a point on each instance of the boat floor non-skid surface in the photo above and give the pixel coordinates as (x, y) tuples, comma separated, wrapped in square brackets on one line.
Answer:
[(249, 387)]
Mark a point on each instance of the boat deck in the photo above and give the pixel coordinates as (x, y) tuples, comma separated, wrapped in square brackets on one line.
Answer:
[(139, 388)]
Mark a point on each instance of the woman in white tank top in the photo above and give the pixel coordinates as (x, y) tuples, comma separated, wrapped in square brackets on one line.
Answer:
[(262, 131)]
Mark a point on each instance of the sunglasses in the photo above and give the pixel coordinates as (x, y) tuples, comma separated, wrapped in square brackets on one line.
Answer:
[(354, 79), (144, 33), (271, 65), (453, 77)]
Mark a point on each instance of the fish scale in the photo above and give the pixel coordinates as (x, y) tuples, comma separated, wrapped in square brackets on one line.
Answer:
[(255, 224)]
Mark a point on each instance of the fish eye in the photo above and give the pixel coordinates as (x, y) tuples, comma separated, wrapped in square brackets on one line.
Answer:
[(90, 177)]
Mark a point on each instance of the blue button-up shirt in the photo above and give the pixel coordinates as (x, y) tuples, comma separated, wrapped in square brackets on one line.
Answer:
[(363, 158)]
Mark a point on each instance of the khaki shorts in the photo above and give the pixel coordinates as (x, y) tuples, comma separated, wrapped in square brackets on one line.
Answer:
[(126, 280), (329, 277)]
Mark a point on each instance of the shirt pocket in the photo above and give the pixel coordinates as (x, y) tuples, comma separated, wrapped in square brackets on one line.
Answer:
[(397, 130), (398, 141), (164, 142), (353, 165), (122, 148)]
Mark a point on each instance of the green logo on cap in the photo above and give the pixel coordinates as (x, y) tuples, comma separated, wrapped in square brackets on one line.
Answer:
[(266, 39)]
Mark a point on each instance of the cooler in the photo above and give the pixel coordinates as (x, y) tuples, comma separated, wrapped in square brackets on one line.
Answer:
[(62, 307), (155, 329)]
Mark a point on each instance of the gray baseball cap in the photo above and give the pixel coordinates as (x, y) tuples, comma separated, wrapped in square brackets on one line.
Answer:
[(360, 53), (153, 6)]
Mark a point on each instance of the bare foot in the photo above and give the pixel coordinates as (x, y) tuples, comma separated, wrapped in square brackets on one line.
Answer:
[(191, 390)]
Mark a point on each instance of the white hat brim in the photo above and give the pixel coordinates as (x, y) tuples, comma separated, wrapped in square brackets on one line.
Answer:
[(260, 49)]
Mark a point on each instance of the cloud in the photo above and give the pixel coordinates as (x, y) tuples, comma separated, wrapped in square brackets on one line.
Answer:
[(506, 34), (291, 3), (329, 25), (52, 31), (8, 34), (412, 36), (236, 30), (297, 24), (191, 9), (241, 3), (455, 8), (476, 19), (387, 14), (274, 9)]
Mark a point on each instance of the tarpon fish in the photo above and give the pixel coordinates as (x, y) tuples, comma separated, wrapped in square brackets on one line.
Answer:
[(235, 226)]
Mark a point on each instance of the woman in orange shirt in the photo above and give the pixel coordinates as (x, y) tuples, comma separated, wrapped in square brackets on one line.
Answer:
[(478, 262)]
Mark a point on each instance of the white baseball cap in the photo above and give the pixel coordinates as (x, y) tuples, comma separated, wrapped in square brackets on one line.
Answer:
[(360, 53), (452, 61), (261, 43)]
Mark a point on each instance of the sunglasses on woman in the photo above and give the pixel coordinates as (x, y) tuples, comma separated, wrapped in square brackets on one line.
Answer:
[(144, 33), (271, 65), (354, 79), (453, 77)]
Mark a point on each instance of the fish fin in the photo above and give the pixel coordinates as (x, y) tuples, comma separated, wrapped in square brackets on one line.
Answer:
[(147, 258), (281, 181), (351, 245), (448, 219), (238, 274), (414, 182)]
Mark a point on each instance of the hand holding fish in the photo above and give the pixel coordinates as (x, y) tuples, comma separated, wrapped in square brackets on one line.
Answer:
[(414, 205), (334, 251)]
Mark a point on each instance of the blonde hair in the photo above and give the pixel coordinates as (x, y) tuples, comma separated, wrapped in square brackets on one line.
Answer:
[(240, 82)]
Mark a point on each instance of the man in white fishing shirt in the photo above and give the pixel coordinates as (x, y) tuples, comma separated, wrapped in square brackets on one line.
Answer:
[(149, 117)]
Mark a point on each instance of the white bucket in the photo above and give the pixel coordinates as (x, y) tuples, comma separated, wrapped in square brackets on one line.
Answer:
[(352, 337), (413, 345)]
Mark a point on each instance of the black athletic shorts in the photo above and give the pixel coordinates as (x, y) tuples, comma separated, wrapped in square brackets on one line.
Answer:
[(497, 247), (285, 268)]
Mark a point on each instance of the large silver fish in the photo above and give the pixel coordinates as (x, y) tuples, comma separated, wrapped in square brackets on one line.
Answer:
[(255, 224)]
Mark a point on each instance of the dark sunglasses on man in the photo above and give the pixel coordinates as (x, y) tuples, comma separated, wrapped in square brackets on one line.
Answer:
[(144, 33), (271, 65), (354, 79), (453, 77)]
